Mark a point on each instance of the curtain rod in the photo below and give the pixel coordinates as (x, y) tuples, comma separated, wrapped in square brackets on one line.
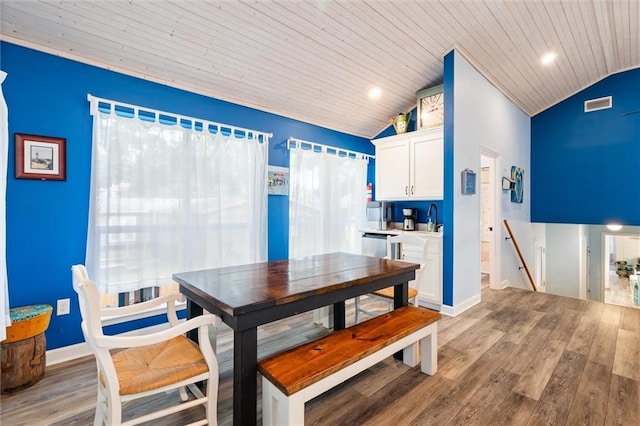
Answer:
[(112, 104), (298, 143)]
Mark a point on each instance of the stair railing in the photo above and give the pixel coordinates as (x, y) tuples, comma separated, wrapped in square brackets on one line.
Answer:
[(515, 245)]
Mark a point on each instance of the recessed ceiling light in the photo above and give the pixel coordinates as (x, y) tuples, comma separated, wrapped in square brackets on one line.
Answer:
[(375, 93), (548, 58), (614, 226)]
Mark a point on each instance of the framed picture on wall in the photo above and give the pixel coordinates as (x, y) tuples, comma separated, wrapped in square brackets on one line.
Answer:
[(278, 180), (517, 177), (468, 182), (40, 157)]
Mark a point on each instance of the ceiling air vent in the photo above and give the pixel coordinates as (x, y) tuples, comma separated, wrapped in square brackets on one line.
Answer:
[(596, 104)]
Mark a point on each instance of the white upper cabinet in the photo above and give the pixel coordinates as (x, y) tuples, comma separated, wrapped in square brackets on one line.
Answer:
[(392, 168), (410, 166)]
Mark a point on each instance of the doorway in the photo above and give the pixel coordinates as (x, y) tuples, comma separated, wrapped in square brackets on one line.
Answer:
[(621, 261), (485, 222), (489, 218)]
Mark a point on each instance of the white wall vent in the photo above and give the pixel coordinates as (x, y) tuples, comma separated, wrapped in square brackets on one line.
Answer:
[(596, 104)]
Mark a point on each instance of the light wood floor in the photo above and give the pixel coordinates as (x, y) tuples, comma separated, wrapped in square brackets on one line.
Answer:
[(619, 291), (516, 358)]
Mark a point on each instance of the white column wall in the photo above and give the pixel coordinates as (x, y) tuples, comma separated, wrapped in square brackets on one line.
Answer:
[(483, 117)]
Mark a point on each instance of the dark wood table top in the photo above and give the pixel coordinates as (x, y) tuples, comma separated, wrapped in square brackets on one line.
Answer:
[(237, 290), (247, 296)]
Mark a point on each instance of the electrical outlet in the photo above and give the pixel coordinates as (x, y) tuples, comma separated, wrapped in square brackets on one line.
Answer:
[(63, 307)]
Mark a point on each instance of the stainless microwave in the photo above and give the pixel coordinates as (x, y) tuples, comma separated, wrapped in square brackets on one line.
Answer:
[(380, 214)]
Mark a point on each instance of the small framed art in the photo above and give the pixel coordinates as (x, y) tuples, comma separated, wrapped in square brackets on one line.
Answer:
[(517, 177), (278, 180), (40, 157), (468, 182)]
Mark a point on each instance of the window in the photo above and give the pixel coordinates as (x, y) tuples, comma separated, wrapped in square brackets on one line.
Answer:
[(171, 194), (327, 200)]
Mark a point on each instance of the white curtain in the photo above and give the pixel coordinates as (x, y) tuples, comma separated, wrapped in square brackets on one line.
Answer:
[(167, 199), (327, 202), (5, 320)]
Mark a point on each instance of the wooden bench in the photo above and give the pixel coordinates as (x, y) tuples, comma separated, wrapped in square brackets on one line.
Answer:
[(295, 376)]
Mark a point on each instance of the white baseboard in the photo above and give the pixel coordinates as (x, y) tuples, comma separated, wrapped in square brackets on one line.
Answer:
[(504, 284), (428, 304), (79, 350), (453, 311), (68, 353), (447, 310)]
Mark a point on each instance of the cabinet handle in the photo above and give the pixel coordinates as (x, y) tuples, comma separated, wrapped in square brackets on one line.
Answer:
[(411, 189), (406, 190)]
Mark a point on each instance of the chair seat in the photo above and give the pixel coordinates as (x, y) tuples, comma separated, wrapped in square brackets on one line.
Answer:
[(146, 368), (388, 293)]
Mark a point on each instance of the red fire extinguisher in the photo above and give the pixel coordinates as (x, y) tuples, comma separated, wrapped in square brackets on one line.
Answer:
[(369, 192)]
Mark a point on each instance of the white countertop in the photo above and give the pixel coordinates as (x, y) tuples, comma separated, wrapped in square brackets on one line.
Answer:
[(398, 231)]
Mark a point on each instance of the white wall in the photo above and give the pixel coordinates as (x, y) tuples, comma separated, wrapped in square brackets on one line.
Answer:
[(563, 259), (483, 118)]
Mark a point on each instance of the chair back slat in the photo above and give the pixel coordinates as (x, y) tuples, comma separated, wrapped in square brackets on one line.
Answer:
[(89, 301)]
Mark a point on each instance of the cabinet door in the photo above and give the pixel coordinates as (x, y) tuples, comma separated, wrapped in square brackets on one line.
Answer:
[(427, 166), (431, 289), (392, 170)]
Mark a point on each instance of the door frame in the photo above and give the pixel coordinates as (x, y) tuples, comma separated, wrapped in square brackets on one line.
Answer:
[(584, 267), (604, 262), (604, 258), (495, 214), (539, 264)]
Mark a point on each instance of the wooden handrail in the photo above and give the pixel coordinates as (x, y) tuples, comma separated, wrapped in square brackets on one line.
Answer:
[(524, 264)]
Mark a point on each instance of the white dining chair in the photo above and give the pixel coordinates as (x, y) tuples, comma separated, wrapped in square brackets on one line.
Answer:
[(407, 247), (133, 367)]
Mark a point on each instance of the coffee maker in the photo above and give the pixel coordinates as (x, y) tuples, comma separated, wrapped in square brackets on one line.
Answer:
[(409, 223)]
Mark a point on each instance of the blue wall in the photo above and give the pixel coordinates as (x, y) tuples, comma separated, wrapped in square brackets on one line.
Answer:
[(47, 221), (447, 243), (585, 167)]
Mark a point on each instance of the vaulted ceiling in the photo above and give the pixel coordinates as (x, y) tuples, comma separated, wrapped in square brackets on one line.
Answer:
[(316, 60)]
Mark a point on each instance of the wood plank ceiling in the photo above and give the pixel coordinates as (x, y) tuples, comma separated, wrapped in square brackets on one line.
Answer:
[(316, 60)]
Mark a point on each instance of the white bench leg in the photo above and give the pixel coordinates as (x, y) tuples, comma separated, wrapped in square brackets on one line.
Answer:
[(269, 403), (424, 351), (429, 351), (279, 409), (411, 355)]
